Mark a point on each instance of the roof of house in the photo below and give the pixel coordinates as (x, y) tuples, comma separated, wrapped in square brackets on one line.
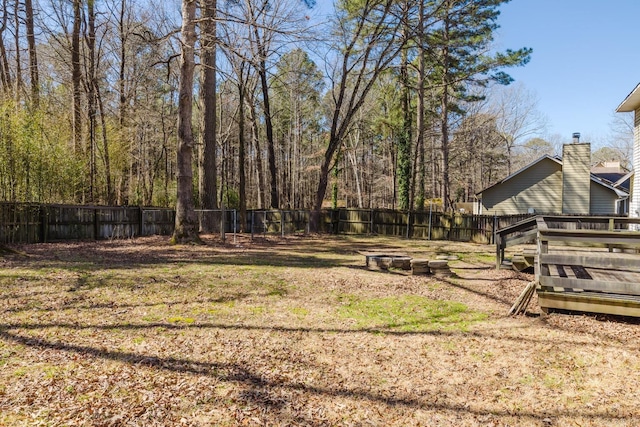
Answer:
[(611, 177), (624, 182), (631, 102), (620, 192)]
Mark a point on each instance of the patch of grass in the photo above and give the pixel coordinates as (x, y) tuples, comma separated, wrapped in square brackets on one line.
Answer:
[(553, 382), (409, 313), (258, 310), (51, 372), (181, 319), (276, 291), (300, 311), (151, 318), (20, 372)]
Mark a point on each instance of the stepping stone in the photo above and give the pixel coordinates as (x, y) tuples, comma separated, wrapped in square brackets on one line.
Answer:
[(419, 266)]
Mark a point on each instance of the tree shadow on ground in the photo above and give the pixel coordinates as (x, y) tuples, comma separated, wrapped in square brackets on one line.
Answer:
[(262, 388)]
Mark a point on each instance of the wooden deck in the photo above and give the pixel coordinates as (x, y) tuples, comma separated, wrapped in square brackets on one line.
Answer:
[(599, 282), (577, 269)]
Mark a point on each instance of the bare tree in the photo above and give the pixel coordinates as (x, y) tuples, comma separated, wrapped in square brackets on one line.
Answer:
[(517, 117), (268, 26), (76, 76), (621, 137), (5, 73), (368, 43), (33, 55)]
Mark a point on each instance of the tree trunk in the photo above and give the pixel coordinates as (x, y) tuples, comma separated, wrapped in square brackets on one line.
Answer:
[(91, 82), (5, 73), (259, 166), (18, 82), (323, 181), (186, 229), (110, 197), (444, 118), (420, 109), (208, 173), (76, 78), (404, 139), (33, 57), (273, 172), (241, 151), (356, 175)]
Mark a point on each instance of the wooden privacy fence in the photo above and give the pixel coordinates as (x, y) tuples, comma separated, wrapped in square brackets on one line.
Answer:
[(256, 222), (30, 223), (417, 225)]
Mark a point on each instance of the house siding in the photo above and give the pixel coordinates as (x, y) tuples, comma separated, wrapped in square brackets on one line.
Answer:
[(634, 208), (576, 162), (603, 200), (539, 188)]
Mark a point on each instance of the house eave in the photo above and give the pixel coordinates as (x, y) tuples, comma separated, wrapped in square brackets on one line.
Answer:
[(631, 102)]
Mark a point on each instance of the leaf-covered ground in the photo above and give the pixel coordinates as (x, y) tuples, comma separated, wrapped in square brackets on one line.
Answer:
[(295, 331)]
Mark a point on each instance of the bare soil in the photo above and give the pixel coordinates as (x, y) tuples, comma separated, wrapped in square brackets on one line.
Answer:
[(142, 333)]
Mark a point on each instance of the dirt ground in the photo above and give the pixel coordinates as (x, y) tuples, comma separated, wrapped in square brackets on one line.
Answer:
[(296, 331)]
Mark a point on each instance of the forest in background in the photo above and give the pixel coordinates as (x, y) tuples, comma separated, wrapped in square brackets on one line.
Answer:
[(386, 104)]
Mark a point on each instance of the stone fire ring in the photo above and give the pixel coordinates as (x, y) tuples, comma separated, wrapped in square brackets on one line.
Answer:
[(387, 261)]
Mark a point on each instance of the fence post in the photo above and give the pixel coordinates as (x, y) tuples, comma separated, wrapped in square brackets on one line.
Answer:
[(370, 221), (95, 224), (140, 221), (408, 223), (430, 215), (253, 214), (223, 235), (495, 227), (282, 223), (43, 224)]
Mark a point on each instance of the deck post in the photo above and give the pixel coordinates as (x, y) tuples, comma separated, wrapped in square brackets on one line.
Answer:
[(499, 250)]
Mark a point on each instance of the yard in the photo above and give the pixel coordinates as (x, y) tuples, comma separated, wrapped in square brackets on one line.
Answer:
[(295, 331)]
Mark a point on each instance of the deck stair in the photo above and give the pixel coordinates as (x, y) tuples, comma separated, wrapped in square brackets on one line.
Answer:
[(523, 260)]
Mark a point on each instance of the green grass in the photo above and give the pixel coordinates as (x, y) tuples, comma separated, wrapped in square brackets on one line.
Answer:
[(408, 313)]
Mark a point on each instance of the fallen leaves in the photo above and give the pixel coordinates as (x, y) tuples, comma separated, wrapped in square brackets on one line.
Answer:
[(140, 333)]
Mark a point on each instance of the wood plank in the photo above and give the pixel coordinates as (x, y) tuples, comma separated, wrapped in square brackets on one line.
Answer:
[(518, 226), (581, 272), (604, 260), (526, 237), (626, 288), (561, 270), (591, 236), (541, 224), (590, 303), (553, 270)]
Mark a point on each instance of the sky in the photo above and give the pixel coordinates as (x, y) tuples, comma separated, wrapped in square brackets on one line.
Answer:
[(584, 61)]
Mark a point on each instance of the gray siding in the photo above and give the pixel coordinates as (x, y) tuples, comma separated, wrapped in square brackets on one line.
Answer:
[(538, 187), (576, 162), (603, 200)]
